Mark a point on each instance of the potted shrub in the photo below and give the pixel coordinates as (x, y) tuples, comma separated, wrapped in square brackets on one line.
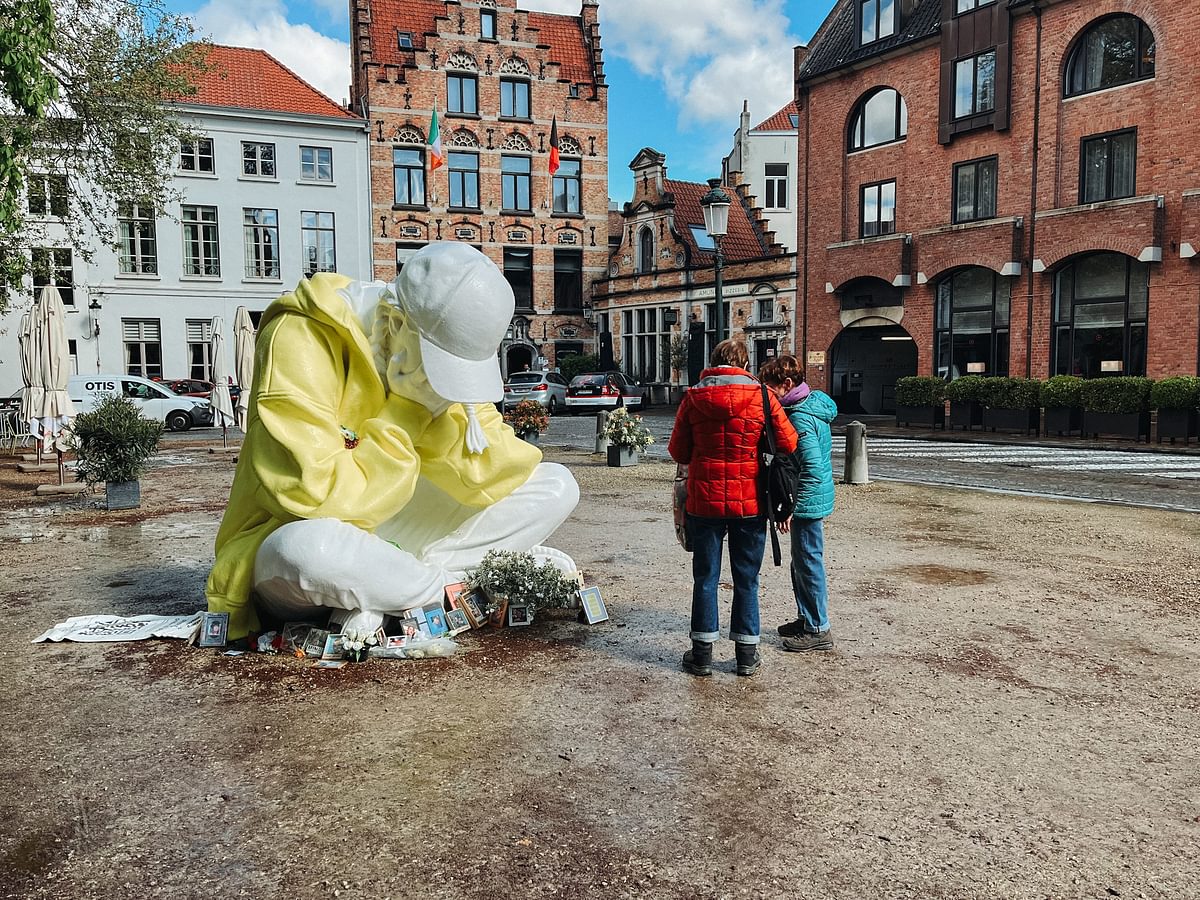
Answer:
[(920, 401), (510, 577), (1177, 400), (627, 437), (1118, 406), (1012, 404), (112, 444), (966, 404), (1064, 409), (528, 419)]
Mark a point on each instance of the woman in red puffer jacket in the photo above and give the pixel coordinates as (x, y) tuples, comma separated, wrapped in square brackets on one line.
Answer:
[(716, 435)]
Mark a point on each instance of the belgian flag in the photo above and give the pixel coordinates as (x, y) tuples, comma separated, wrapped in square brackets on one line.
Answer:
[(554, 145)]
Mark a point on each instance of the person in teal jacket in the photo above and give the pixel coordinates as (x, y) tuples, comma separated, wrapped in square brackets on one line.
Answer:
[(810, 412)]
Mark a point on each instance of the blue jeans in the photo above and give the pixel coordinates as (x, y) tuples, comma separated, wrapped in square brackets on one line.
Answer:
[(808, 573), (747, 537)]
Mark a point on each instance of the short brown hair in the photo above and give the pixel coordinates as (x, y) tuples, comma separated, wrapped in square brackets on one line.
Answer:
[(730, 352), (781, 368)]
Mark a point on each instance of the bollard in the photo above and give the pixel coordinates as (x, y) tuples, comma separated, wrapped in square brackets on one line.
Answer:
[(856, 454), (601, 440)]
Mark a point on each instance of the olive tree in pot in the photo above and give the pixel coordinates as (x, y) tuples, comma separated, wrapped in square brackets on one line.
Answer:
[(112, 444), (1060, 399), (1117, 406), (966, 401), (920, 401), (1011, 404), (1176, 400)]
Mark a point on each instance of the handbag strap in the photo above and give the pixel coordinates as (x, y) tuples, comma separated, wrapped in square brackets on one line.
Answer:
[(768, 435)]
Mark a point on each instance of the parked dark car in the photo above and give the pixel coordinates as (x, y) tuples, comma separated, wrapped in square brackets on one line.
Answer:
[(193, 387), (602, 390)]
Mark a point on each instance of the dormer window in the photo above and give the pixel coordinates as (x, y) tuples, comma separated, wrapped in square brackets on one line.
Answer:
[(404, 40), (877, 20)]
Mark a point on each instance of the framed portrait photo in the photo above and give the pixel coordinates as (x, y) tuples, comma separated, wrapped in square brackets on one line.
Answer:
[(214, 629), (457, 621), (518, 615), (314, 644), (500, 613), (471, 603), (592, 607), (435, 620), (454, 594)]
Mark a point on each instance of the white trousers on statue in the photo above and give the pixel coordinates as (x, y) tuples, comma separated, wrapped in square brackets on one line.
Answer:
[(407, 560)]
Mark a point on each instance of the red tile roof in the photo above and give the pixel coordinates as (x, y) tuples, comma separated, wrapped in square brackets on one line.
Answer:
[(742, 241), (780, 121), (253, 79), (562, 34)]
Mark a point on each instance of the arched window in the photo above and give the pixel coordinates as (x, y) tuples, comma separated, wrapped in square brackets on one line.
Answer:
[(645, 250), (971, 324), (1114, 50), (879, 118), (1100, 304)]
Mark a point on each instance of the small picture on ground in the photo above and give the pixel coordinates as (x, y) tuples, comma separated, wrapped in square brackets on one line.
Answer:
[(435, 621), (214, 629), (592, 605), (454, 594), (518, 615), (333, 648), (457, 621), (471, 604), (314, 644), (330, 664)]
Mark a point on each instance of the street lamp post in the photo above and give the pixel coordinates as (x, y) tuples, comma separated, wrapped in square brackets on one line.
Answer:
[(715, 205)]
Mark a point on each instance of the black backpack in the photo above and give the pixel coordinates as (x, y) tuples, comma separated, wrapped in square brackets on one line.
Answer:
[(779, 475)]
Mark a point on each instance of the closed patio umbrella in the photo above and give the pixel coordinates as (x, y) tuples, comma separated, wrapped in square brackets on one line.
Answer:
[(31, 393), (221, 404), (243, 361), (55, 412)]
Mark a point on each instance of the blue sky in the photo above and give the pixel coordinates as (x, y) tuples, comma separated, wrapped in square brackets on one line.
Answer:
[(678, 70)]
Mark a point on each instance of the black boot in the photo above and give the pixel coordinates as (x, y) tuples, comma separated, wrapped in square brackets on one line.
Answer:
[(698, 660), (748, 658)]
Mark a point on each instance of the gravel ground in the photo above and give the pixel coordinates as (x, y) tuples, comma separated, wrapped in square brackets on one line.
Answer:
[(1011, 711)]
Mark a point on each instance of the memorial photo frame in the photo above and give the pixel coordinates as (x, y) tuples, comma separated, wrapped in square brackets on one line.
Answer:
[(592, 608), (214, 629), (457, 621), (471, 603), (454, 594), (518, 615)]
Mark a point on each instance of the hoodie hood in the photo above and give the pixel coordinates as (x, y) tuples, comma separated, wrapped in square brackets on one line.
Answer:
[(817, 405), (321, 298)]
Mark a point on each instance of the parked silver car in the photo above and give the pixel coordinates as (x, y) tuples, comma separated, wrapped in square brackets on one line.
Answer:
[(547, 388)]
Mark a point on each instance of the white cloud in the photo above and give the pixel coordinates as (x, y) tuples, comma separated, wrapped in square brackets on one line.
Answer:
[(708, 54), (322, 61)]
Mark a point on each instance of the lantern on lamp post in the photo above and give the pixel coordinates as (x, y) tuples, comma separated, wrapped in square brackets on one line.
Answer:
[(715, 205)]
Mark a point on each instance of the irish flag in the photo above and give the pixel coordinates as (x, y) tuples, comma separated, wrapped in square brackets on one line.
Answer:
[(436, 156)]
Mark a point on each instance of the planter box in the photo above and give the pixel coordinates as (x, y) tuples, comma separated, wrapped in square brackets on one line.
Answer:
[(530, 437), (966, 415), (1063, 420), (1022, 420), (1126, 425), (921, 416), (622, 456), (122, 494), (1178, 423)]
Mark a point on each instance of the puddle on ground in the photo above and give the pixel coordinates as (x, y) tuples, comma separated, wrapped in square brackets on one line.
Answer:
[(944, 575), (17, 531)]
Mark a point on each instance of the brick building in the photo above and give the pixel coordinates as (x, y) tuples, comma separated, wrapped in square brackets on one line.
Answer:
[(499, 77), (997, 187), (660, 284)]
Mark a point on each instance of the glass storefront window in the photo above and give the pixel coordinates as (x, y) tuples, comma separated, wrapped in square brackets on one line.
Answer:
[(971, 330), (1100, 307)]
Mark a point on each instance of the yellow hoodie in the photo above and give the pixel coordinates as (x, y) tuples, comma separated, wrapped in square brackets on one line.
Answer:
[(314, 375)]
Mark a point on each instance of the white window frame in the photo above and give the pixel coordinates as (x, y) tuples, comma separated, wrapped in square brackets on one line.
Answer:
[(259, 156), (314, 169), (203, 231), (316, 229), (138, 251), (260, 237), (200, 154)]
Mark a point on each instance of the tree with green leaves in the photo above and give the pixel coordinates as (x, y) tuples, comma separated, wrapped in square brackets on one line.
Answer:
[(86, 124)]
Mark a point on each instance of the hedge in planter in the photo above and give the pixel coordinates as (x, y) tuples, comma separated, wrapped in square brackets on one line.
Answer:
[(1060, 398), (1118, 406), (966, 401), (112, 444), (1176, 400), (920, 401), (1011, 404)]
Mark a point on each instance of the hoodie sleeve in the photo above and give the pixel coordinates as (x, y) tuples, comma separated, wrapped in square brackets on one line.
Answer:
[(304, 467)]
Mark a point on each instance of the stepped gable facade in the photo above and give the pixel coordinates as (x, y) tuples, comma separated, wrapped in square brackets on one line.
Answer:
[(499, 78)]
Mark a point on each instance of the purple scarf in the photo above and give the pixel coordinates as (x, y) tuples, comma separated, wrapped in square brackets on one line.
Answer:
[(796, 394)]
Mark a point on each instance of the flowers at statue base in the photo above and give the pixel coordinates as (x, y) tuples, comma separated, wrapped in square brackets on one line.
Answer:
[(519, 577), (528, 417), (355, 644), (625, 430)]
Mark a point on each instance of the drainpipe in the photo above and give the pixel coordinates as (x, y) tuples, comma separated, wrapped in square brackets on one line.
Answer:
[(804, 229), (1037, 117)]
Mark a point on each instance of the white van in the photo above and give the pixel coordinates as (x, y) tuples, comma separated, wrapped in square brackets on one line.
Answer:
[(155, 400)]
